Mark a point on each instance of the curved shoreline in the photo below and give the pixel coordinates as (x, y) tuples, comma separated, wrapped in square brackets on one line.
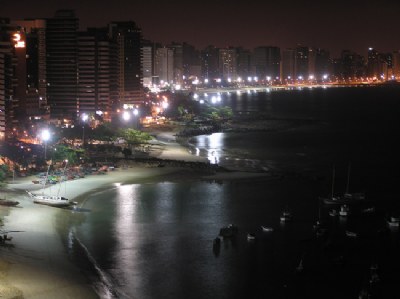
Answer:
[(37, 252)]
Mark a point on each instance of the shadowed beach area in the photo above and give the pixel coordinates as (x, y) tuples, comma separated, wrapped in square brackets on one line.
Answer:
[(35, 263)]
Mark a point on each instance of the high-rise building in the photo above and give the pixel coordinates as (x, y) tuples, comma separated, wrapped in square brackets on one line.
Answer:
[(288, 65), (36, 93), (227, 63), (351, 66), (12, 77), (373, 63), (190, 60), (147, 64), (95, 72), (178, 62), (243, 63), (301, 63), (322, 64), (128, 37), (385, 66), (396, 65), (267, 62), (3, 73), (209, 62), (164, 65), (61, 64)]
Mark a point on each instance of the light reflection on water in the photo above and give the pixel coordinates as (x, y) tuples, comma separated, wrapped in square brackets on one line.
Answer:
[(213, 144)]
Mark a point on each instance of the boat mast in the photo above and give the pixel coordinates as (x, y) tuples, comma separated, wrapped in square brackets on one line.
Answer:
[(63, 178), (47, 177), (348, 179), (333, 180)]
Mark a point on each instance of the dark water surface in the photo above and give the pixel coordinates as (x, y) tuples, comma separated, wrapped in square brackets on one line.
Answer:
[(155, 240)]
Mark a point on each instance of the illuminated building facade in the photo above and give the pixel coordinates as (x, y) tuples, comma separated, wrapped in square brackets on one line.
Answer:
[(12, 77), (147, 64), (373, 63), (227, 63), (36, 87)]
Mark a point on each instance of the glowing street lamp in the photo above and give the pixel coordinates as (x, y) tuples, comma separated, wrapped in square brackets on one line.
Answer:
[(126, 116), (45, 135), (84, 119)]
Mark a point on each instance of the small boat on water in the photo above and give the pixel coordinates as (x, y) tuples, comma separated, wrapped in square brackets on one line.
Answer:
[(300, 267), (8, 202), (393, 221), (369, 210), (344, 211), (286, 216), (351, 234), (333, 213), (267, 229), (251, 237)]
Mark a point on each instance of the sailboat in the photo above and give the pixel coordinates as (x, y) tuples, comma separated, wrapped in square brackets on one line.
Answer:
[(347, 194), (51, 200), (347, 198)]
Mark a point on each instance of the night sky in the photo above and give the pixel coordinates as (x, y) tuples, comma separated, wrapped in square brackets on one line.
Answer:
[(351, 24)]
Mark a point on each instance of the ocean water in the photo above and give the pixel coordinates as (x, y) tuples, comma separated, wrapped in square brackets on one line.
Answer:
[(155, 240)]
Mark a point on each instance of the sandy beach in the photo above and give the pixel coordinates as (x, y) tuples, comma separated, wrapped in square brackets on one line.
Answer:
[(35, 263)]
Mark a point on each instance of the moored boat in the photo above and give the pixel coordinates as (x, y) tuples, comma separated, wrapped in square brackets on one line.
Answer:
[(286, 215), (251, 237), (8, 202), (351, 234), (393, 221), (300, 267), (50, 200), (347, 198), (344, 211), (333, 213), (267, 229)]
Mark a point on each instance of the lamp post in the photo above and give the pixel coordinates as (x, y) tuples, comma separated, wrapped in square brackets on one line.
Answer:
[(84, 119), (136, 115), (45, 137)]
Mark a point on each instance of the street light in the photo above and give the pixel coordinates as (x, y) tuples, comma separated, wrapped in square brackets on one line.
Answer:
[(84, 119), (45, 137)]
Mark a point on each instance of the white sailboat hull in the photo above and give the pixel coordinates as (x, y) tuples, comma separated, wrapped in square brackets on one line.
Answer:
[(55, 201)]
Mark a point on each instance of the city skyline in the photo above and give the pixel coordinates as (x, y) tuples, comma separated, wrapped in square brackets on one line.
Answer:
[(355, 26)]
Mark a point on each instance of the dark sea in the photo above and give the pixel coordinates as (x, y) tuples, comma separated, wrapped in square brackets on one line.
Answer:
[(155, 240)]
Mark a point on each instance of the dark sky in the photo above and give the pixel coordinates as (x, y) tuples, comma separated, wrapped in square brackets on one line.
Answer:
[(351, 24)]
